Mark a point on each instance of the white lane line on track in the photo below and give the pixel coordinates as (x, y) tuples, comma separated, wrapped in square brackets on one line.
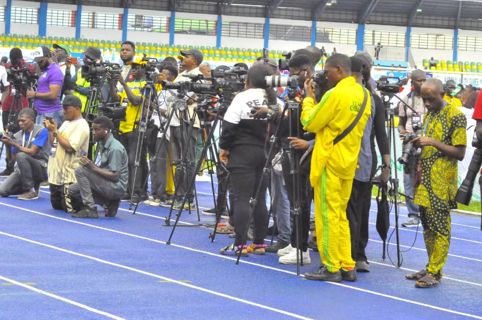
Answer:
[(157, 276), (249, 263), (374, 262), (60, 298)]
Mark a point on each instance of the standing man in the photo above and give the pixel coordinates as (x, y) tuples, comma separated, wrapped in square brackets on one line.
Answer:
[(338, 120), (105, 180), (30, 147), (450, 94), (184, 131), (13, 101), (47, 97), (69, 143), (415, 102), (127, 54), (443, 143)]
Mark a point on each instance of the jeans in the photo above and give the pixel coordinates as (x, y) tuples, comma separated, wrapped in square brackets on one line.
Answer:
[(281, 206), (28, 173), (57, 116), (90, 184)]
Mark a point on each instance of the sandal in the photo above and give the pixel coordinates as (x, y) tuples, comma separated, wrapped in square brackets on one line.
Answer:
[(417, 275), (224, 228), (428, 281)]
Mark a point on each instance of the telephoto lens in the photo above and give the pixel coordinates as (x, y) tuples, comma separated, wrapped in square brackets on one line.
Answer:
[(464, 193)]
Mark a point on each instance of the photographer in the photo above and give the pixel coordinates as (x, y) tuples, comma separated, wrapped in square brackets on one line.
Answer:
[(127, 54), (338, 120), (242, 151), (47, 97), (29, 147), (103, 181), (14, 98), (414, 100), (443, 144), (358, 209), (131, 95), (184, 129), (69, 143), (82, 86)]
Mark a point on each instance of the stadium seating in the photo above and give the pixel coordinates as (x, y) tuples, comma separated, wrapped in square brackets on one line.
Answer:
[(453, 66), (77, 46)]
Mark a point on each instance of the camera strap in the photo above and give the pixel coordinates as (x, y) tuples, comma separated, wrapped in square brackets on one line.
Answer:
[(354, 123)]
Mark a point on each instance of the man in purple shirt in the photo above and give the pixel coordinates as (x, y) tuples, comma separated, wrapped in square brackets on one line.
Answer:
[(47, 97)]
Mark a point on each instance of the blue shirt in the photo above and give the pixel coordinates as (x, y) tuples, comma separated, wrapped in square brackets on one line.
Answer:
[(39, 141)]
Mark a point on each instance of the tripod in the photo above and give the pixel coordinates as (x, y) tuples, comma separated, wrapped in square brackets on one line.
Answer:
[(224, 101)]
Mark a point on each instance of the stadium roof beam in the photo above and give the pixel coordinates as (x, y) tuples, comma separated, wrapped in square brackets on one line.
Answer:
[(459, 15), (362, 18), (318, 9), (413, 12), (271, 6)]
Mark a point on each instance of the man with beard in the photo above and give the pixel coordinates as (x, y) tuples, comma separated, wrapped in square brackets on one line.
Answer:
[(47, 97)]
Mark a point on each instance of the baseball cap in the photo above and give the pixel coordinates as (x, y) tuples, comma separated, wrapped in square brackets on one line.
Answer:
[(93, 53), (42, 51), (72, 101), (193, 52), (56, 46)]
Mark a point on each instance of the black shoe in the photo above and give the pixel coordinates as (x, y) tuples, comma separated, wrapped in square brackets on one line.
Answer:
[(86, 213), (349, 275), (111, 208), (6, 172), (276, 246), (324, 275)]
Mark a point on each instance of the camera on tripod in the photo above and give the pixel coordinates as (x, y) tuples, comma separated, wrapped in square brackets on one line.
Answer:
[(21, 78), (389, 85), (409, 149), (96, 72)]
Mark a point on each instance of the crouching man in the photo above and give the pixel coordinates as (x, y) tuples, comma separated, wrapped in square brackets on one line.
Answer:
[(30, 147), (103, 181)]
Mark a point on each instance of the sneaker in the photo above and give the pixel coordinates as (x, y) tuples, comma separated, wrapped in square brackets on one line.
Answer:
[(210, 212), (86, 213), (348, 275), (285, 250), (111, 208), (362, 266), (153, 203), (6, 172), (232, 250), (290, 258), (29, 195), (259, 249), (224, 228), (411, 223), (277, 246), (187, 206), (322, 274)]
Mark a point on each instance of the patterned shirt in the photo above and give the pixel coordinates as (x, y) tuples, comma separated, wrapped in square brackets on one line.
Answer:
[(439, 173)]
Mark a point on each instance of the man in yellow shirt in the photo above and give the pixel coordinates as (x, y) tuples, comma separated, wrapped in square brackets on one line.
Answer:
[(334, 162), (449, 95)]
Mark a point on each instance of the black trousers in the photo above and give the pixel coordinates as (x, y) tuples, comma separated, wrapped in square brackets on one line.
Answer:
[(130, 142), (306, 196), (8, 155), (243, 182), (358, 212)]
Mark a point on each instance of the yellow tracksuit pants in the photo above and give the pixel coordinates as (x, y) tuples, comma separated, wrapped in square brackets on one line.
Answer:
[(331, 196)]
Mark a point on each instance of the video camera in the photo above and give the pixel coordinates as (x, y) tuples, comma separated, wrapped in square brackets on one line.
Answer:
[(95, 72), (389, 85), (408, 148), (21, 78)]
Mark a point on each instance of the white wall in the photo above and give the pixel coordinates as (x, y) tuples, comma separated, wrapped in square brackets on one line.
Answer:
[(58, 31), (101, 34), (284, 45), (420, 54), (21, 28), (143, 36), (242, 43)]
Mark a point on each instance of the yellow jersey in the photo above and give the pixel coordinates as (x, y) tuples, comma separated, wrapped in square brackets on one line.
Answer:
[(328, 119), (133, 112)]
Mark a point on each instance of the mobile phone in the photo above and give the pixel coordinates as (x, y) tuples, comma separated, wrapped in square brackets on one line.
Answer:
[(50, 119)]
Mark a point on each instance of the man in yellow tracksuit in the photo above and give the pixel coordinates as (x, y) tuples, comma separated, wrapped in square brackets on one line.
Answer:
[(333, 164)]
